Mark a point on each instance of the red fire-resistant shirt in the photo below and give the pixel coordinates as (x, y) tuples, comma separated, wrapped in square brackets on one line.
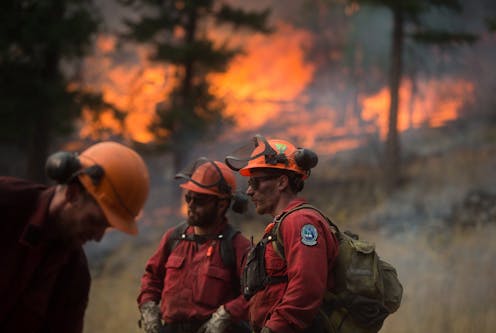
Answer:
[(43, 286), (291, 306), (192, 282)]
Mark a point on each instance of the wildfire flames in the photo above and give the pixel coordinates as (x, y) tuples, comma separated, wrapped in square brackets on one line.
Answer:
[(271, 76), (264, 87), (437, 102), (133, 84)]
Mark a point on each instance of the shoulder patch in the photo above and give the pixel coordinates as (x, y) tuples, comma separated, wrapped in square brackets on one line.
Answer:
[(309, 235)]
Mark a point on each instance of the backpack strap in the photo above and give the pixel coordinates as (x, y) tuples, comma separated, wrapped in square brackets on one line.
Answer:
[(227, 252), (276, 235), (178, 234)]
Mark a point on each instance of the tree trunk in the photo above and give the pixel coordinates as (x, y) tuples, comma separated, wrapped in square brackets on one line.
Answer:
[(42, 128), (413, 99), (38, 147), (392, 166), (183, 143)]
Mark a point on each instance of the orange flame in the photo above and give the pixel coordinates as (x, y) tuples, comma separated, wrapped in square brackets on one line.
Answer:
[(135, 86), (437, 102), (252, 98), (264, 86), (268, 79)]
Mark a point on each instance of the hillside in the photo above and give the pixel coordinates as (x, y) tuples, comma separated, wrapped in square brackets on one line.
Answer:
[(444, 258)]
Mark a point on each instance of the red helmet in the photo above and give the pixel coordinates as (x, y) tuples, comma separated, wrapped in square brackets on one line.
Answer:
[(273, 154), (209, 177)]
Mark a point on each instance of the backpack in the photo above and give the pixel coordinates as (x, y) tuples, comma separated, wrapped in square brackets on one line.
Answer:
[(367, 288), (226, 248)]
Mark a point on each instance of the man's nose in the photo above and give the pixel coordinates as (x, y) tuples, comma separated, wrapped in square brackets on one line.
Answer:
[(249, 191)]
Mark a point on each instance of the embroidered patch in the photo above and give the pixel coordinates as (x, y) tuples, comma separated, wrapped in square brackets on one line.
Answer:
[(309, 235)]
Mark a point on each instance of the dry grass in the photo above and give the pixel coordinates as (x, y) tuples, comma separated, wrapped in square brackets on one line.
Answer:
[(448, 281), (112, 306)]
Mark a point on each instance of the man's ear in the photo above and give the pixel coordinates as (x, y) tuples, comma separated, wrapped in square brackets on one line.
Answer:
[(282, 183), (223, 205)]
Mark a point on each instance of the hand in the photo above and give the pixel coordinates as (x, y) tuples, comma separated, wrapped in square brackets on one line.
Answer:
[(218, 323), (151, 317), (266, 330)]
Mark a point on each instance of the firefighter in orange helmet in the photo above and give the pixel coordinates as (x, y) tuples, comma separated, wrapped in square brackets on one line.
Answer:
[(45, 279), (285, 285), (192, 282)]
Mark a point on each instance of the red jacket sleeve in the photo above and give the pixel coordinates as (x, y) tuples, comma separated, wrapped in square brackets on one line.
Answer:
[(152, 280), (307, 270), (238, 307)]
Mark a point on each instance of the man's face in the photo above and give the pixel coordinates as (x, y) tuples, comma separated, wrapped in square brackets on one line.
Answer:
[(263, 191), (82, 220), (203, 209)]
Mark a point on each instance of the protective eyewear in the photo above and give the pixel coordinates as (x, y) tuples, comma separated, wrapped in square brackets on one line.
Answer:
[(254, 182), (199, 200), (240, 158)]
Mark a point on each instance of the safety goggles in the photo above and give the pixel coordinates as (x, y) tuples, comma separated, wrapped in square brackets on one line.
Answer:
[(199, 199), (254, 182), (242, 156)]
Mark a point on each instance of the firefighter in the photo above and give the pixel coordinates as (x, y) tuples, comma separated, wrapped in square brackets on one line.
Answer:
[(285, 290), (189, 282), (45, 280)]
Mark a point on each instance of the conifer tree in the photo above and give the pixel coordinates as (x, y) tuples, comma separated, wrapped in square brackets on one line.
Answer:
[(409, 12), (36, 105), (178, 32)]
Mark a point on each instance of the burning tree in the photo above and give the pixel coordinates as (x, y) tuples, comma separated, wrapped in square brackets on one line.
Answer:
[(408, 12), (178, 33)]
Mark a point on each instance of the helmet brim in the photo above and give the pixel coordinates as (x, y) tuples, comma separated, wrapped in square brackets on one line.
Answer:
[(115, 215), (198, 189)]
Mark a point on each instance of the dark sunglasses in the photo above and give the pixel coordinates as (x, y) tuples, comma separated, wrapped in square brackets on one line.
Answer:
[(199, 200), (254, 182)]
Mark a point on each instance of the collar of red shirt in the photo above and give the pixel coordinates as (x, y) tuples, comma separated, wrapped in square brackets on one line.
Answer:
[(33, 232)]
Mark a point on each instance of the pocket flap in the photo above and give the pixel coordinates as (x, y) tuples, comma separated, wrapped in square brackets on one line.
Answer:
[(174, 261), (218, 273), (362, 246)]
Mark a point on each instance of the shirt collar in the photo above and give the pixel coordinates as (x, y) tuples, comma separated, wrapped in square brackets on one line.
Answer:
[(292, 204), (33, 232)]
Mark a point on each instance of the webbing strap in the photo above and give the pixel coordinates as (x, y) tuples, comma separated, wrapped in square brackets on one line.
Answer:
[(275, 234), (226, 249)]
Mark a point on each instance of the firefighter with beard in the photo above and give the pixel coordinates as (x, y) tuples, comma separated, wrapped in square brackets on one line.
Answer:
[(45, 279), (285, 285), (189, 286)]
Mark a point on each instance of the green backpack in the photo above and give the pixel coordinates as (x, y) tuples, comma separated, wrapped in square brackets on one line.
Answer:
[(367, 288)]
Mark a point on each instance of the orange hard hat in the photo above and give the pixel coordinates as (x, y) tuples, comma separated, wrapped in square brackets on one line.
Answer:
[(272, 154), (209, 177), (121, 186)]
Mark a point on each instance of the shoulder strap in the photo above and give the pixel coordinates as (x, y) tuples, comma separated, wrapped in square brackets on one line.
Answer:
[(176, 236), (276, 235), (226, 247), (227, 253)]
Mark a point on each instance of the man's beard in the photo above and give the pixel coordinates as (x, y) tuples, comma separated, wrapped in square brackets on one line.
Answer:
[(206, 219)]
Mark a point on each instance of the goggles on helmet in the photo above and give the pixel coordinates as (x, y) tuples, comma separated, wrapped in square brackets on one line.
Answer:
[(208, 177), (272, 154)]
